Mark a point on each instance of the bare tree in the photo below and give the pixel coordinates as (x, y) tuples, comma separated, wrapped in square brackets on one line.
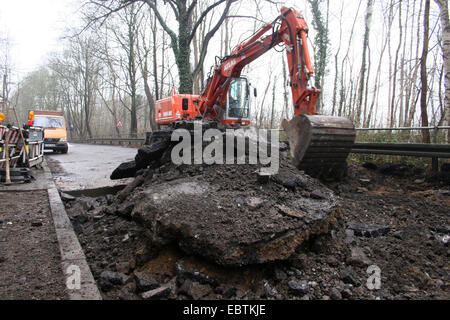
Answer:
[(423, 73), (444, 16), (412, 91), (78, 73), (395, 68), (5, 73), (128, 41), (320, 46), (336, 74), (368, 21), (144, 55), (181, 40)]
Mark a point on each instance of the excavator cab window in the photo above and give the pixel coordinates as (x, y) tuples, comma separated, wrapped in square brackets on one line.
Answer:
[(238, 99)]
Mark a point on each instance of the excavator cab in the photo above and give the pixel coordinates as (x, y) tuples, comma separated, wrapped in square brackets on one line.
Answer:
[(237, 109)]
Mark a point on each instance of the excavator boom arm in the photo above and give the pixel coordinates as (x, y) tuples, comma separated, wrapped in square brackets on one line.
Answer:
[(318, 144), (289, 28)]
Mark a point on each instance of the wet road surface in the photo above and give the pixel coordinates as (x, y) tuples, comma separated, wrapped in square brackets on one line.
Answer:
[(88, 166)]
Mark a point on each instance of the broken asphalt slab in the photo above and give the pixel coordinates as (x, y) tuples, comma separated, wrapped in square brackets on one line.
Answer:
[(225, 215)]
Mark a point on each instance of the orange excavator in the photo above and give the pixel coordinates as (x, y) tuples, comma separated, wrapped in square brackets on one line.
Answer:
[(318, 144)]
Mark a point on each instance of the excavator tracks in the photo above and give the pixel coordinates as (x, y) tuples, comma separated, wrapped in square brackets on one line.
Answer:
[(320, 144)]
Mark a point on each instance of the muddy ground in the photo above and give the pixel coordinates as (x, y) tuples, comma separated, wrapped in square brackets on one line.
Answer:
[(391, 220), (30, 262)]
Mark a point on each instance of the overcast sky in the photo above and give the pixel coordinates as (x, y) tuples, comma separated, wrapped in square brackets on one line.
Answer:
[(34, 28)]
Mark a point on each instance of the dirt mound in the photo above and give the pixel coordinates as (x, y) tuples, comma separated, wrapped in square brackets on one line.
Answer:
[(397, 224), (230, 214), (225, 215)]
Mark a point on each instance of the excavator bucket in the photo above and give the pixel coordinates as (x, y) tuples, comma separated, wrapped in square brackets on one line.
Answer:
[(320, 144)]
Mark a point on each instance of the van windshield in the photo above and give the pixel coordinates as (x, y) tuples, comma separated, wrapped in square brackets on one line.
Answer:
[(48, 122)]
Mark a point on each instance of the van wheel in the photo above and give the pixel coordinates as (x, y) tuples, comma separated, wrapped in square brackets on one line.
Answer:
[(64, 150)]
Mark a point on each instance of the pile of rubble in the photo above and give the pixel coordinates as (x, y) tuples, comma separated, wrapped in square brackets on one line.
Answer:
[(224, 214), (222, 232), (406, 237)]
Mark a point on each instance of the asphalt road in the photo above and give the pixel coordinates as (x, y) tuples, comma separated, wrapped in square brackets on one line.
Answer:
[(88, 166)]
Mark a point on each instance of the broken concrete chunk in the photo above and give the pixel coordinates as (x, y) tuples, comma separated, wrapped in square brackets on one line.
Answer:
[(290, 181), (153, 152), (195, 290), (348, 275), (124, 170), (368, 230), (335, 294), (358, 257), (317, 194), (108, 279), (125, 192), (289, 211), (144, 282), (254, 202), (270, 292), (66, 197), (298, 287), (158, 293), (229, 236)]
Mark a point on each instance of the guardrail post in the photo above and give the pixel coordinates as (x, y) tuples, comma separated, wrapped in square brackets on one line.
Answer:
[(434, 165)]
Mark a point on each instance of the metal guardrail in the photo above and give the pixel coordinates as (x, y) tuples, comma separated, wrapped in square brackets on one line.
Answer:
[(129, 140), (403, 149), (112, 141), (398, 149), (404, 128)]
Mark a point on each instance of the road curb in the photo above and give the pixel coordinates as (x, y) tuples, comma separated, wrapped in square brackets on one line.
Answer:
[(72, 255)]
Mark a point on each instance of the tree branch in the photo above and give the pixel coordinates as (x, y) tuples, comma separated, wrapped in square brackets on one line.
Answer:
[(172, 5), (246, 17), (103, 17), (208, 37), (191, 7), (173, 36), (202, 16)]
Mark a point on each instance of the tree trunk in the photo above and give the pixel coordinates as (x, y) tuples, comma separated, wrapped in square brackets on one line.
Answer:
[(184, 52), (443, 5), (132, 72), (272, 114), (368, 21), (155, 59), (285, 91), (423, 73), (414, 94), (150, 99), (394, 81), (320, 47), (336, 75)]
